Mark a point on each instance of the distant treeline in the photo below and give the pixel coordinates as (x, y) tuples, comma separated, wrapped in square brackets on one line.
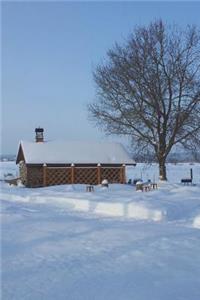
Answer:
[(7, 157), (172, 158)]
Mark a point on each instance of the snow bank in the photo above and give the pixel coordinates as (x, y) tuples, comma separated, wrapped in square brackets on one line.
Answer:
[(116, 209), (111, 209), (196, 222)]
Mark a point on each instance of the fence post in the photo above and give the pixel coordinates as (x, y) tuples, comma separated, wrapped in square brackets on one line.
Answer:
[(72, 173), (191, 174), (99, 173), (122, 174), (44, 174)]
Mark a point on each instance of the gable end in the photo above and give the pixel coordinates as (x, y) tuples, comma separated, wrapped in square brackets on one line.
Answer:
[(20, 155)]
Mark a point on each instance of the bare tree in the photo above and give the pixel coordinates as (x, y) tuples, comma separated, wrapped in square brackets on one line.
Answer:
[(149, 89)]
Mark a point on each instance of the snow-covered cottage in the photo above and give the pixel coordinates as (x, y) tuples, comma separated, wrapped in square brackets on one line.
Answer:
[(45, 163)]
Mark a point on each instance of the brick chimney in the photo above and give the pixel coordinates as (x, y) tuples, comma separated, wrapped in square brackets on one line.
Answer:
[(39, 135)]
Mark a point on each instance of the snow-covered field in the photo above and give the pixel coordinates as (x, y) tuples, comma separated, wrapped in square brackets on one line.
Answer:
[(64, 243)]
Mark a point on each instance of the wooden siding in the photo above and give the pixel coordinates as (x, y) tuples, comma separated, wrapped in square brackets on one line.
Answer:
[(20, 155)]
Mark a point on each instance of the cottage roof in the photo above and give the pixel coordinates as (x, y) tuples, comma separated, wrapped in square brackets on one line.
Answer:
[(64, 152)]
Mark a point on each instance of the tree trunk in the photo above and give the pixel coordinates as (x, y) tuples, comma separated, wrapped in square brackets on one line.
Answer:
[(162, 170)]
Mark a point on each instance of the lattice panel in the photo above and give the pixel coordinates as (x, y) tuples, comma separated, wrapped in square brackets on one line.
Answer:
[(56, 176), (111, 174), (86, 175), (34, 176)]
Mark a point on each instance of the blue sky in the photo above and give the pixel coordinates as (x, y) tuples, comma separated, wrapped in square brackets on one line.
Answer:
[(49, 50)]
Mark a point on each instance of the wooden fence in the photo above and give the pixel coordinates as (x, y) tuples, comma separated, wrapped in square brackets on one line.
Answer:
[(84, 175)]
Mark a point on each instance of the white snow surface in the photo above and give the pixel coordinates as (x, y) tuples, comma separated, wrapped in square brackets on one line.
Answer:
[(115, 243), (75, 152), (196, 222)]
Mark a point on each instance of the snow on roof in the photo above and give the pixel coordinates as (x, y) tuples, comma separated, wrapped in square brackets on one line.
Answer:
[(57, 152)]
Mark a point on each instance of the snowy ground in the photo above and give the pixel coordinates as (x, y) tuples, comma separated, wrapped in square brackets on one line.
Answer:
[(116, 243)]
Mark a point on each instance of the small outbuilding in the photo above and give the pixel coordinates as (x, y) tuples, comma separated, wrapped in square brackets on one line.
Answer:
[(46, 163)]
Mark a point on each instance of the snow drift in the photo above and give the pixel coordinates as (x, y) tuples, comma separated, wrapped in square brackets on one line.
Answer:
[(196, 223)]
